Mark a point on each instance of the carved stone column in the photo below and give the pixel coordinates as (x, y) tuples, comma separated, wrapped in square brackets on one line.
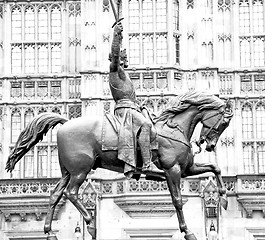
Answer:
[(210, 196), (89, 194)]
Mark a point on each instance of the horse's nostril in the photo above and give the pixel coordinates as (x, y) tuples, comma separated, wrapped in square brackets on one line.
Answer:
[(212, 146)]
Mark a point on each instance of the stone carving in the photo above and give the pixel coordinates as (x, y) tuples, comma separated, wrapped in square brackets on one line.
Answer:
[(224, 5), (210, 196), (27, 191)]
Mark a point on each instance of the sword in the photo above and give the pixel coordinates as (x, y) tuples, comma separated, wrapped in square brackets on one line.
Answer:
[(116, 14)]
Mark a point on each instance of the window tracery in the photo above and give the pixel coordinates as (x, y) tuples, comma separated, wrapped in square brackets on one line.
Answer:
[(15, 124), (253, 134), (148, 41), (251, 30), (36, 38)]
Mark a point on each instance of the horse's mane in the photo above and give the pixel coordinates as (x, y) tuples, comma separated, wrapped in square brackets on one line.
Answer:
[(182, 102)]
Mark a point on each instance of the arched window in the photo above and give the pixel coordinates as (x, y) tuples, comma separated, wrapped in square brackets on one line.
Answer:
[(56, 22), (29, 164), (176, 14), (29, 50), (16, 18), (251, 30), (134, 17), (161, 14), (148, 48), (42, 23), (258, 51), (150, 104), (42, 161), (247, 121), (55, 167), (161, 48), (29, 23), (147, 17), (16, 58), (248, 157), (56, 58), (261, 156), (260, 117), (43, 58), (15, 124), (258, 18), (161, 104), (244, 16), (29, 115)]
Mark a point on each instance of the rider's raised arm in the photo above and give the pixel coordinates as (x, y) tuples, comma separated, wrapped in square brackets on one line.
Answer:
[(116, 47)]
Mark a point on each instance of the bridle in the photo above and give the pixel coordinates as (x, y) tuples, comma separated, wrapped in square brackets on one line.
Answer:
[(215, 126)]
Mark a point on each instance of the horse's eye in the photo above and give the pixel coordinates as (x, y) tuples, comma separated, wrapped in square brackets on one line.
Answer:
[(225, 123)]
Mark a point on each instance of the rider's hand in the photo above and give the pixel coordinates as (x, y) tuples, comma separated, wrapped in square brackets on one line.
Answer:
[(118, 28)]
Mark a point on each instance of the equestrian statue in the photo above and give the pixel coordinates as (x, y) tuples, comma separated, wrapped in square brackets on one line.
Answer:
[(129, 141)]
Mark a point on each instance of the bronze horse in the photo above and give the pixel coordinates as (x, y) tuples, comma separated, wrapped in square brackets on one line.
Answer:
[(80, 149)]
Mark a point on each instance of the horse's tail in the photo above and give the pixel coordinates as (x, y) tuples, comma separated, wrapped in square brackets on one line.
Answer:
[(31, 135)]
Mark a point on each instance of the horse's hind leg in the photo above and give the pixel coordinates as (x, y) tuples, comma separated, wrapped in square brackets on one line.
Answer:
[(55, 197), (71, 192), (173, 176)]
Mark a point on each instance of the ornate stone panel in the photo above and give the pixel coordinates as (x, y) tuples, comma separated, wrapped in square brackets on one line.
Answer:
[(147, 206), (25, 198)]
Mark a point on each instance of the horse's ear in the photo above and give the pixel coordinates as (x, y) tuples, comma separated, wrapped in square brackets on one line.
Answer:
[(228, 106), (228, 111)]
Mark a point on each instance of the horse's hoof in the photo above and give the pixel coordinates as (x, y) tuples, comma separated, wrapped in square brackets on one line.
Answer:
[(47, 229), (52, 237), (190, 236), (92, 230)]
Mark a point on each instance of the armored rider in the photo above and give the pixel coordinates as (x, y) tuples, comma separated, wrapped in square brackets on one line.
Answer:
[(128, 111)]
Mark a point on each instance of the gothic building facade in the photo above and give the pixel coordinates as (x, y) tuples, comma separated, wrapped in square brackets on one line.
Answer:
[(54, 58)]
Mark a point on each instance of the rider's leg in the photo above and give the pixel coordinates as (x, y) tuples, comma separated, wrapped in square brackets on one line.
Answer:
[(144, 142)]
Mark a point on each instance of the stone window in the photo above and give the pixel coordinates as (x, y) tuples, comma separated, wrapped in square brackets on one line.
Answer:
[(251, 30), (29, 164), (252, 83), (148, 43), (55, 167), (15, 124), (253, 137), (42, 162), (36, 47)]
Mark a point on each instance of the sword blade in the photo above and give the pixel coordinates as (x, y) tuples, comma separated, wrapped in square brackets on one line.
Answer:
[(114, 10)]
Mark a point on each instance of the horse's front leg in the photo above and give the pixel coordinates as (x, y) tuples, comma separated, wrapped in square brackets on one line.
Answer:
[(173, 176), (199, 168)]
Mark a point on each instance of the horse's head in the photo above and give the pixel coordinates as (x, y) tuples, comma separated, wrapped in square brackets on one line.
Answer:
[(214, 123)]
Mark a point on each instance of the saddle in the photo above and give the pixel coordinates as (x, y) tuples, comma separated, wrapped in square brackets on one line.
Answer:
[(110, 138)]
